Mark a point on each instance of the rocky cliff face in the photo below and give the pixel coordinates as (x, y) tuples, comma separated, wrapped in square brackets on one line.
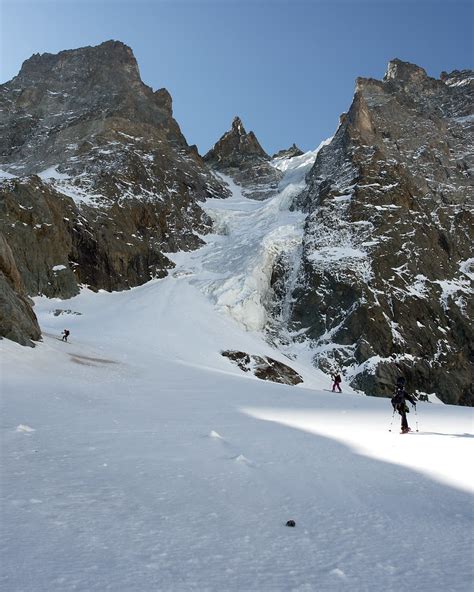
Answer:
[(239, 155), (100, 179), (384, 282), (59, 246), (17, 319)]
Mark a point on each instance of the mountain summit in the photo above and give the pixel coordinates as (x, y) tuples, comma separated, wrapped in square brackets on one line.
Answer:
[(100, 180), (384, 282), (66, 109), (235, 148), (239, 155)]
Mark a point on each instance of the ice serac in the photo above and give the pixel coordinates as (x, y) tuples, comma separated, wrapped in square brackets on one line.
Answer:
[(100, 179), (385, 282), (239, 155)]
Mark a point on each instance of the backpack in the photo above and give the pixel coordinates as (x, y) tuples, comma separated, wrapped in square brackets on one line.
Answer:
[(398, 401)]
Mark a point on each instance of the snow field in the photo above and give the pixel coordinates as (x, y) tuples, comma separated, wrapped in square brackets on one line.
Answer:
[(136, 458), (123, 485)]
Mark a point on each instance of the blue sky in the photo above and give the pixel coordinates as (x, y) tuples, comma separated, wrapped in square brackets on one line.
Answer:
[(287, 67)]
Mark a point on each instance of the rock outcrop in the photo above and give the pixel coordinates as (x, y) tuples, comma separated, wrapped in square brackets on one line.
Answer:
[(17, 319), (104, 181), (239, 155), (264, 367), (59, 246), (384, 282), (290, 152)]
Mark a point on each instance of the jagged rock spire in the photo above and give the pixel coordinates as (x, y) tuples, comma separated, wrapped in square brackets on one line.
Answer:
[(238, 126), (239, 154), (235, 146)]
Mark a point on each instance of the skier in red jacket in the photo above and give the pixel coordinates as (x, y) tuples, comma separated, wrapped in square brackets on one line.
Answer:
[(337, 381)]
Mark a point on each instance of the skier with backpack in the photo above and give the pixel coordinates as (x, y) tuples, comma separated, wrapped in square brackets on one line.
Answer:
[(65, 334), (336, 382), (399, 403)]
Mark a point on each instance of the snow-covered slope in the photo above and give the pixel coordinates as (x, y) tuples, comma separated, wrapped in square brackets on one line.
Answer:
[(137, 458)]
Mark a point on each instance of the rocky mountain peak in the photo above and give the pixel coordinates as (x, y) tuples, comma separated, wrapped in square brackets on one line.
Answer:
[(238, 126), (401, 71), (384, 283), (58, 102), (235, 146), (238, 153), (100, 180), (164, 100), (111, 63), (457, 77)]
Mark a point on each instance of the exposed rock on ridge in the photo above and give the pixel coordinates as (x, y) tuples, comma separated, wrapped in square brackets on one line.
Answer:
[(290, 152), (384, 284), (239, 155), (17, 319), (58, 246)]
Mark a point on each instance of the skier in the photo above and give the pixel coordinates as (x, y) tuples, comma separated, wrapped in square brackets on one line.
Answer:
[(399, 403), (65, 335), (336, 382)]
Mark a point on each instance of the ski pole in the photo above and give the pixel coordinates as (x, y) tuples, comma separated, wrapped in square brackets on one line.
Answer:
[(393, 415), (416, 419)]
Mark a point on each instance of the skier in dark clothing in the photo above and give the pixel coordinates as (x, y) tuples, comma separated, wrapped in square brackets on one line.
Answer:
[(399, 403), (65, 335), (337, 381)]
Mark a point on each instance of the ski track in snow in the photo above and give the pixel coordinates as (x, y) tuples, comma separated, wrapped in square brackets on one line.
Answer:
[(136, 458)]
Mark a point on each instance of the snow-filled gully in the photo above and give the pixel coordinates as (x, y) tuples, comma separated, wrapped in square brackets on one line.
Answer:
[(234, 268)]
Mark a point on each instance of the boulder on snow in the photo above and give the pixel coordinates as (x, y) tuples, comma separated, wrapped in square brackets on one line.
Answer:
[(264, 367)]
